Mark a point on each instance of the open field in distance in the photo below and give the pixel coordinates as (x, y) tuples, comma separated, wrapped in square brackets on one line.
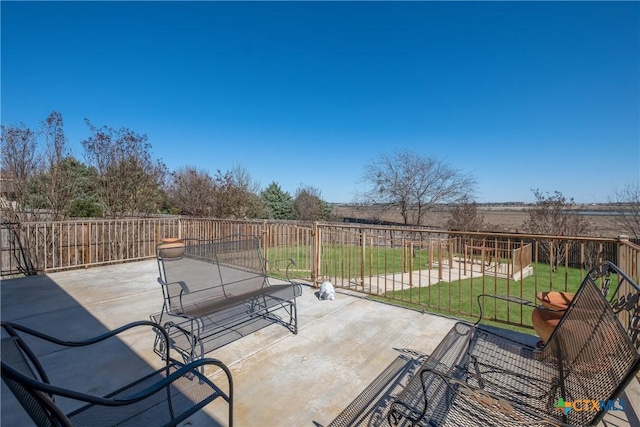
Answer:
[(497, 218)]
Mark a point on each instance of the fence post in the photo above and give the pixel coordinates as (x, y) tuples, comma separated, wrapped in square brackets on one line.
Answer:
[(315, 254), (623, 254), (440, 261), (265, 239), (362, 256), (411, 265), (88, 244)]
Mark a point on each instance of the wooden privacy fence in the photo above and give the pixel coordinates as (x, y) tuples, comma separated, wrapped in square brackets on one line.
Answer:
[(58, 245), (431, 270), (42, 247)]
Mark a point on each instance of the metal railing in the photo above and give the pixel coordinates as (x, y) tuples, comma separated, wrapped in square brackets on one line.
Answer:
[(429, 270), (44, 247), (444, 271)]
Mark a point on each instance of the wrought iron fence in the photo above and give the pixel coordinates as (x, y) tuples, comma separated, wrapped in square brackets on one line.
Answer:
[(429, 270), (444, 272)]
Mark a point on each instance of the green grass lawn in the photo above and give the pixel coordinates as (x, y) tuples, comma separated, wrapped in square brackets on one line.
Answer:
[(460, 298), (350, 261)]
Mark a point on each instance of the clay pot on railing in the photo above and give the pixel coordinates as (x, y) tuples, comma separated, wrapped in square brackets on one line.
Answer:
[(172, 247)]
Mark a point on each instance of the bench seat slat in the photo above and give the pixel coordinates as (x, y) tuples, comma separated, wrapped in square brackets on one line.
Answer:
[(272, 295)]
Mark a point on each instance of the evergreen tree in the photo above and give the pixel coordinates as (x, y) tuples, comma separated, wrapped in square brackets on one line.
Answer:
[(279, 203)]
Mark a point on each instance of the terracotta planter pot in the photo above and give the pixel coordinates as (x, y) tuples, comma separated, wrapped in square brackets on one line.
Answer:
[(171, 247), (172, 240), (555, 300), (544, 322)]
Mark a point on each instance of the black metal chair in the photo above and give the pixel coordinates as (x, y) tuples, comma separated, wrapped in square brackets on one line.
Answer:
[(164, 397), (480, 376)]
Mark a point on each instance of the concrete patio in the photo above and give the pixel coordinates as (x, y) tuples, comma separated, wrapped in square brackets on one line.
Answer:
[(280, 379)]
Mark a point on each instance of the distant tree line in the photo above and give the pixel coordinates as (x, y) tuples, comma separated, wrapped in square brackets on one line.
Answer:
[(42, 179)]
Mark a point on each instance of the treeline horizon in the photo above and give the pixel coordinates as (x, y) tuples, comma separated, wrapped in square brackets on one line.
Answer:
[(120, 178)]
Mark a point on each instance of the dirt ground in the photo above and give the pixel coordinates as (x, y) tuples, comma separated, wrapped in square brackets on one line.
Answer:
[(496, 219)]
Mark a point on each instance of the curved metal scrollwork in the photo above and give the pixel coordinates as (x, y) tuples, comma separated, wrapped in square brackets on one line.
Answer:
[(629, 303), (626, 303), (634, 326)]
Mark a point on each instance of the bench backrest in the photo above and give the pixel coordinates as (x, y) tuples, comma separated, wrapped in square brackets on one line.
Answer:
[(223, 268), (241, 266), (596, 353)]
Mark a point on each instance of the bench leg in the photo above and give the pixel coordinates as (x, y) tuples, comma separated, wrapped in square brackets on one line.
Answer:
[(288, 306), (294, 317)]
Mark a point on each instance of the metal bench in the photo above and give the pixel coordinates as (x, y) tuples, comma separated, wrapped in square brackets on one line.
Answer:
[(479, 376), (165, 397), (216, 291)]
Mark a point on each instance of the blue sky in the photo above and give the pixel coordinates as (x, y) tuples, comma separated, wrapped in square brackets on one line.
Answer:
[(521, 95)]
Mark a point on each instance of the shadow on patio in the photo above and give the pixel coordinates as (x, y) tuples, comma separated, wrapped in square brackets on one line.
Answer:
[(41, 303), (349, 357)]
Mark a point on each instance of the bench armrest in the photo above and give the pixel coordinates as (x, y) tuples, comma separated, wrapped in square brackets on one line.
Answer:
[(290, 263), (184, 290), (182, 284)]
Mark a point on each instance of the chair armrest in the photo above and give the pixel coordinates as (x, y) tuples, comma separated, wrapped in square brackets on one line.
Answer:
[(143, 391), (507, 298), (136, 397), (190, 368), (11, 328)]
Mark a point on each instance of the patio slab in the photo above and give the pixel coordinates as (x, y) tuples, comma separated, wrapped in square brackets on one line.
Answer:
[(279, 378)]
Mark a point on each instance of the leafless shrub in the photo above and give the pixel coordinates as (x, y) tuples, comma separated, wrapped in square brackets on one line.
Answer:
[(553, 215)]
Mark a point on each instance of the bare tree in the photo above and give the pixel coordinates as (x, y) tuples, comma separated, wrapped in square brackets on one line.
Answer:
[(233, 199), (414, 184), (464, 216), (191, 191), (249, 204), (57, 180), (195, 192), (129, 180), (227, 197), (553, 215), (308, 204), (54, 178), (20, 160), (243, 179), (19, 163), (626, 202)]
